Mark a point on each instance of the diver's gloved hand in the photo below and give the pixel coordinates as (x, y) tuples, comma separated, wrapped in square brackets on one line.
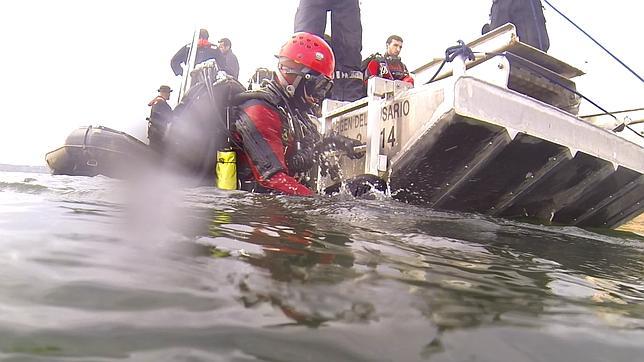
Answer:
[(353, 148), (301, 161), (310, 140), (336, 142)]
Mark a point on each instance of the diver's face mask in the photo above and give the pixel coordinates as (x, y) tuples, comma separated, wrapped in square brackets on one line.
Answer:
[(316, 86)]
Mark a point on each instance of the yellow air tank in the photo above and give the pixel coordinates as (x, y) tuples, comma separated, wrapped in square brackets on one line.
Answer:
[(226, 169)]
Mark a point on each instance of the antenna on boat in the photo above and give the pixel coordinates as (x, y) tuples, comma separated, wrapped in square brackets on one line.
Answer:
[(624, 124), (190, 66), (595, 41)]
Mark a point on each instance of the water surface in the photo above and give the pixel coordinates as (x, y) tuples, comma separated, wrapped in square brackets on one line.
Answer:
[(95, 269)]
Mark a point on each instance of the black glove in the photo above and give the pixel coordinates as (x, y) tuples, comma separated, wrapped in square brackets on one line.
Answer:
[(310, 140), (301, 161), (353, 148), (349, 146)]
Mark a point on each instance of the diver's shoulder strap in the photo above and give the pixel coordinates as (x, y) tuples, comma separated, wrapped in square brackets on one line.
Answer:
[(260, 94)]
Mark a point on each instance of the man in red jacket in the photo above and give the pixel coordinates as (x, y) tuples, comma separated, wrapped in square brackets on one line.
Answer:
[(274, 130), (389, 66)]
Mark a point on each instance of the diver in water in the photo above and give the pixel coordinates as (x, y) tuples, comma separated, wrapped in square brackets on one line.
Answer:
[(276, 129)]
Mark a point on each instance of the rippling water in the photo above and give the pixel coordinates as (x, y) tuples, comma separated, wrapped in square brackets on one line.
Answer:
[(94, 269)]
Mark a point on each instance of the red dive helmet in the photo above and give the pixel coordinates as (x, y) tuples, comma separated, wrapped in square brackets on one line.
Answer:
[(311, 51), (317, 63)]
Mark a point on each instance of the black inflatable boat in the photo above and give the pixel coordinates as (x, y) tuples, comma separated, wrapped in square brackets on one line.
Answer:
[(91, 151)]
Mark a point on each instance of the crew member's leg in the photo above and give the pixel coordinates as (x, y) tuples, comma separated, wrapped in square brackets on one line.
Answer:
[(346, 34), (155, 137), (500, 13), (527, 16), (534, 23), (311, 16)]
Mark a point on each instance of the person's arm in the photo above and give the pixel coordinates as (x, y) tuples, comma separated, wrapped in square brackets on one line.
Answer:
[(180, 57), (285, 184), (261, 130), (234, 69), (373, 69), (407, 78)]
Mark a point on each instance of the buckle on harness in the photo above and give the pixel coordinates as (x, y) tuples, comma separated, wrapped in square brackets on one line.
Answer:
[(354, 74)]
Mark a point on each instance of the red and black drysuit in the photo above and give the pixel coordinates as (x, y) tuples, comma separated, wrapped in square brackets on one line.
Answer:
[(388, 67), (268, 145)]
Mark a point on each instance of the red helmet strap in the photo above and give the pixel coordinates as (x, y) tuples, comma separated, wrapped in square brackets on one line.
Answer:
[(288, 87)]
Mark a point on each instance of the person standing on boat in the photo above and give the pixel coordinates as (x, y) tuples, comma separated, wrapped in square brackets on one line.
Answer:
[(205, 51), (274, 129), (160, 115), (389, 66), (526, 15), (230, 64), (346, 33)]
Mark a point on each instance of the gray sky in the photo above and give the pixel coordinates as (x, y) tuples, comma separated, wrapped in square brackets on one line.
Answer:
[(71, 63)]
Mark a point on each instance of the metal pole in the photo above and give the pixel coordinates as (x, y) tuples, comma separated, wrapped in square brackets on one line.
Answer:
[(190, 65)]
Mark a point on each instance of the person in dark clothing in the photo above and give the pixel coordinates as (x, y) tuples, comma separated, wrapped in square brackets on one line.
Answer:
[(389, 66), (230, 64), (526, 15), (160, 115), (205, 51), (346, 33), (274, 127)]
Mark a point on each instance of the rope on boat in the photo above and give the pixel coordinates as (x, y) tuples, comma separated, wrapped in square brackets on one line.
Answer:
[(451, 53), (461, 49)]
